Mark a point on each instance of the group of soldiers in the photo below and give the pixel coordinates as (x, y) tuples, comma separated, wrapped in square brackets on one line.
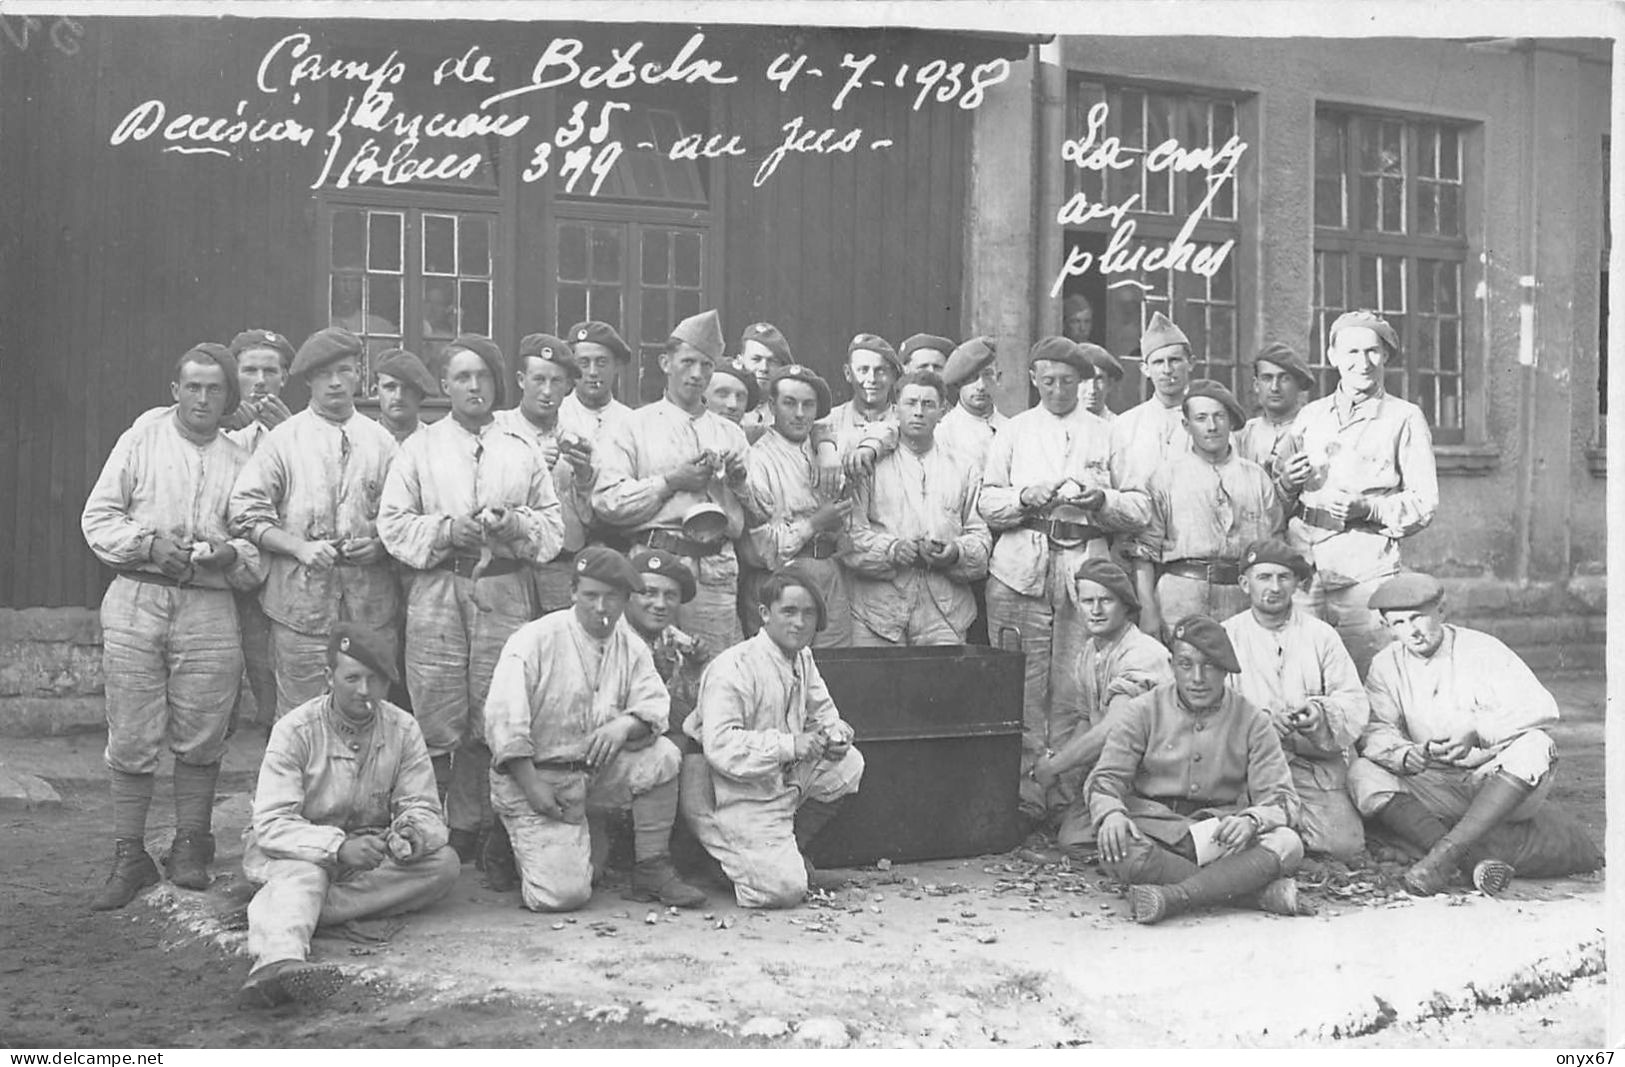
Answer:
[(597, 610)]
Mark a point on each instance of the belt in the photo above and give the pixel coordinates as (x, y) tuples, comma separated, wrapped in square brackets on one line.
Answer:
[(1213, 571), (822, 546), (154, 579), (675, 543), (1183, 806), (1325, 520), (577, 765), (463, 566), (1057, 530)]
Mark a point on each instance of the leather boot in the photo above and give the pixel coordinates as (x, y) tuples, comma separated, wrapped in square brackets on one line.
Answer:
[(496, 859), (1280, 897), (466, 843), (187, 864), (133, 871), (1497, 798), (655, 879), (1410, 820), (290, 981), (811, 818), (1224, 878)]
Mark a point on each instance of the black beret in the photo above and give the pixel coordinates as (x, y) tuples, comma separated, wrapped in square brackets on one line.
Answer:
[(1103, 361), (545, 346), (659, 561), (220, 356), (1284, 357), (323, 347), (488, 352), (1207, 637), (608, 566), (768, 335), (1371, 321), (1410, 591), (364, 647), (1212, 390), (600, 333), (753, 395), (1060, 350), (1109, 574), (399, 363), (969, 360), (796, 372), (263, 339), (873, 342), (925, 340), (1274, 550)]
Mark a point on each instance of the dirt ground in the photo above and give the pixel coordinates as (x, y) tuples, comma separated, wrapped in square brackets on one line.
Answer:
[(987, 952)]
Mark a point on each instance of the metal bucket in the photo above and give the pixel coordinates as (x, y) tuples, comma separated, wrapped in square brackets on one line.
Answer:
[(940, 733)]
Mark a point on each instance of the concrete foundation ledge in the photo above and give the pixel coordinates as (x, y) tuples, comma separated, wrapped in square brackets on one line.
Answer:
[(50, 716)]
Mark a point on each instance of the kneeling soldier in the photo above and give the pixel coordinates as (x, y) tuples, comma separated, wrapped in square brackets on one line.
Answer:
[(574, 720), (347, 824), (1193, 767)]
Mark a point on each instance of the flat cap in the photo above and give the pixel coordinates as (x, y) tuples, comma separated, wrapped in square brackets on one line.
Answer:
[(1104, 362), (702, 331), (1283, 356), (1113, 577), (323, 347), (732, 367), (1160, 333), (769, 336), (608, 566), (489, 354), (969, 360), (263, 339), (660, 562), (1371, 321), (925, 340), (399, 363), (220, 356), (555, 350), (873, 342), (1207, 387), (1060, 350), (363, 646), (1409, 591), (1207, 637), (1274, 550), (594, 332), (797, 372)]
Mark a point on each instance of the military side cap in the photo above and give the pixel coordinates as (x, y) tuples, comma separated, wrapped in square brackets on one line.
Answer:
[(925, 340), (323, 347), (364, 647), (1371, 321), (594, 332), (768, 335), (1284, 357), (1113, 577), (1208, 637), (753, 394), (489, 354), (552, 349), (873, 342), (399, 363), (608, 566), (1104, 362), (1274, 550), (1217, 391), (220, 356), (969, 360), (702, 331), (1410, 591), (1060, 350), (1160, 333), (796, 372), (263, 339), (660, 562)]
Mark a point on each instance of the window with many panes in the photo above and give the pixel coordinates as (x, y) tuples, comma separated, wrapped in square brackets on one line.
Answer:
[(1391, 235), (1142, 118)]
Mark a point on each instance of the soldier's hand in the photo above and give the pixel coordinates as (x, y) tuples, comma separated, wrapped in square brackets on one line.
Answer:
[(809, 745), (639, 737), (827, 473), (1343, 508), (550, 451), (1307, 719), (171, 558), (690, 477), (578, 455), (1283, 721), (1236, 832), (606, 742), (466, 533), (1045, 774), (942, 558), (363, 550), (1091, 498), (317, 555), (363, 852), (273, 412), (1116, 831), (1037, 496), (860, 462), (734, 471), (831, 517), (905, 552), (1414, 760), (216, 555), (1455, 749), (1297, 469), (544, 800), (503, 524)]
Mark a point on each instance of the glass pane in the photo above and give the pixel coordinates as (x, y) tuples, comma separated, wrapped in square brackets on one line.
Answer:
[(1449, 154), (1222, 336), (1427, 208), (1449, 345), (1196, 329), (686, 302), (1425, 284), (474, 246), (667, 130), (1224, 123), (1329, 201), (383, 241), (1370, 147), (1427, 143), (1450, 210), (1449, 298), (349, 238), (1450, 402), (1394, 382), (344, 300), (606, 255), (1393, 205), (439, 308), (686, 256), (604, 302), (647, 178), (477, 307), (572, 304), (1365, 294), (1223, 285), (1131, 117), (1426, 354), (383, 304), (656, 266), (572, 253), (439, 244), (1393, 152), (1328, 147), (1427, 397), (656, 326), (1368, 204), (1393, 284)]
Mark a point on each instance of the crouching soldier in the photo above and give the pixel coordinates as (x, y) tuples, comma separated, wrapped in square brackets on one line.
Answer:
[(777, 757), (1454, 759), (347, 824), (1192, 799), (574, 720), (678, 657)]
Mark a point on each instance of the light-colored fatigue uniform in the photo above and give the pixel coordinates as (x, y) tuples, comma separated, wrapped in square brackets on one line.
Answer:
[(250, 436), (554, 686), (402, 438), (757, 421), (1265, 442), (969, 436), (1204, 512), (740, 797), (654, 441), (1167, 767), (318, 480), (172, 654), (781, 490), (323, 778), (911, 496), (678, 659), (1305, 663), (554, 576), (1031, 595), (1143, 439), (846, 428), (1382, 450), (595, 424), (456, 624)]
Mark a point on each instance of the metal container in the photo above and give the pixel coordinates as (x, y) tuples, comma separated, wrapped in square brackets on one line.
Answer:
[(940, 733)]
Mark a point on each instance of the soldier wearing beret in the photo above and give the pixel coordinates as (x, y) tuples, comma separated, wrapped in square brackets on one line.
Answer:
[(671, 476), (1280, 380), (1145, 436), (346, 822), (309, 499), (652, 612), (171, 650), (732, 393), (1192, 800), (1092, 391), (1456, 760), (1294, 668), (470, 507), (868, 419), (1049, 496), (576, 721), (1358, 479), (763, 349), (591, 410), (1207, 505), (403, 383), (925, 351), (968, 428), (263, 360)]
